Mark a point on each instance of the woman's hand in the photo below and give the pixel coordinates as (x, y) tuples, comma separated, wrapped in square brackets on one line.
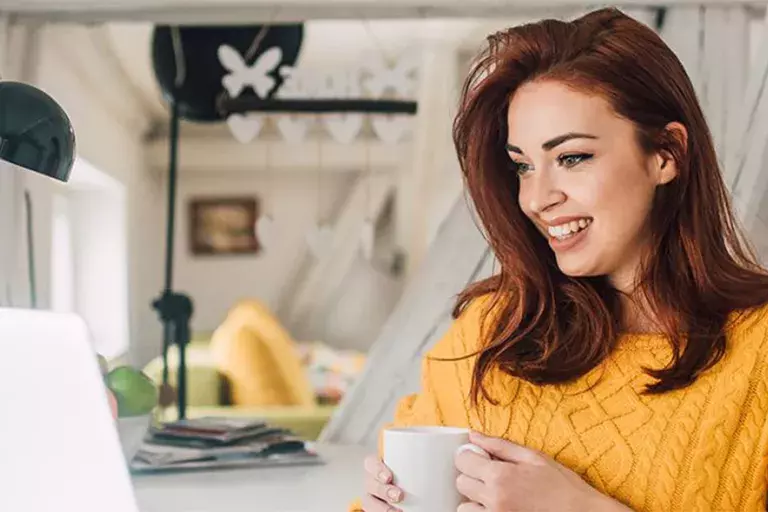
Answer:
[(521, 479), (379, 491)]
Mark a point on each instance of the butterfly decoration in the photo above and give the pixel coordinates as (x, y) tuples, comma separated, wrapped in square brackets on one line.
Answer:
[(399, 80), (256, 76), (377, 78)]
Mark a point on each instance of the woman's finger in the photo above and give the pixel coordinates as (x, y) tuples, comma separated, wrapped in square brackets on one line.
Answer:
[(470, 487), (373, 504), (377, 469), (385, 492), (472, 464)]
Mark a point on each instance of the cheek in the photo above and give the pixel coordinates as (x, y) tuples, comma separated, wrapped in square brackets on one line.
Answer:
[(522, 200), (622, 208)]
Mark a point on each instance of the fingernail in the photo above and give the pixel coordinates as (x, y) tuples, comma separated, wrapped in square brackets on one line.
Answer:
[(384, 477), (394, 494)]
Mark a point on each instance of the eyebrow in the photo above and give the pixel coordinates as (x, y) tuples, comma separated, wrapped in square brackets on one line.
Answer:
[(553, 143)]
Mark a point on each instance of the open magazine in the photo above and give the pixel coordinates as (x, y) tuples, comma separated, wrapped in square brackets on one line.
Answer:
[(209, 443)]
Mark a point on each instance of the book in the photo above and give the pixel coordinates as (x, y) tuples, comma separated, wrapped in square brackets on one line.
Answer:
[(213, 431), (211, 443)]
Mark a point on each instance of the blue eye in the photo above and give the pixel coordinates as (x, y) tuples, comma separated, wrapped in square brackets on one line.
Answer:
[(573, 159), (521, 168)]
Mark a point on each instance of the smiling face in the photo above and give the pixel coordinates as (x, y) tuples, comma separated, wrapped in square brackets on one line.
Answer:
[(585, 182)]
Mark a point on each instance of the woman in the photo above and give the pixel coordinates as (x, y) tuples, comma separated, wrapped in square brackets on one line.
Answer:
[(618, 361)]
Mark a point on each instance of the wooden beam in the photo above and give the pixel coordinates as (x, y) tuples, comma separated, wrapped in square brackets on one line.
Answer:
[(459, 256), (722, 68), (683, 31), (734, 74), (252, 11), (746, 165), (713, 45), (221, 154), (308, 304), (433, 154)]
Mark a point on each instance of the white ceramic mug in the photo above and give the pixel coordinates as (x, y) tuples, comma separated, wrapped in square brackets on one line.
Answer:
[(422, 461)]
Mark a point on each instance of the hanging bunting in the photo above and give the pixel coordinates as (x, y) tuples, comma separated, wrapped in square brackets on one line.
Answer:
[(292, 127), (343, 128), (242, 76), (320, 237), (399, 81), (374, 81), (244, 127)]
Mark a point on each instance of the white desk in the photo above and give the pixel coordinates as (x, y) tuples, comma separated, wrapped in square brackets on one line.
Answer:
[(324, 488)]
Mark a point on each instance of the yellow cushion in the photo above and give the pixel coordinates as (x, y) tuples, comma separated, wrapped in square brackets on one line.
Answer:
[(260, 359)]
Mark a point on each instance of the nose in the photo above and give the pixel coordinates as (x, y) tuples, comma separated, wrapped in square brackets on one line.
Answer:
[(540, 193)]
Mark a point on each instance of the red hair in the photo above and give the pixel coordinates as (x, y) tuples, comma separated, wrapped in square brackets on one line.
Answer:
[(549, 327)]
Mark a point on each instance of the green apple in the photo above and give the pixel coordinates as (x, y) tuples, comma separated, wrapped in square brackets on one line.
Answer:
[(136, 394)]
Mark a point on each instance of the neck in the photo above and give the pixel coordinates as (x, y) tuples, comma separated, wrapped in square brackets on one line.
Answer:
[(636, 314)]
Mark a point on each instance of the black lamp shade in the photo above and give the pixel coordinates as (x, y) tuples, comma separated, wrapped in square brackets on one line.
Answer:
[(35, 132)]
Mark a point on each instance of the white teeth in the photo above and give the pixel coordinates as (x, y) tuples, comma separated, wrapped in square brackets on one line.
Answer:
[(569, 228)]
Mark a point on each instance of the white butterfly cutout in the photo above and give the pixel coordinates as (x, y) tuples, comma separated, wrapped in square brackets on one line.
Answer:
[(400, 78), (241, 75)]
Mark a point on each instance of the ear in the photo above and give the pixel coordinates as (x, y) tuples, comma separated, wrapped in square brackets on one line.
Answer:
[(675, 137)]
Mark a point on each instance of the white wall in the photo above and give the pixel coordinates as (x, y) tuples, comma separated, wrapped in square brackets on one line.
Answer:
[(109, 135), (368, 296), (99, 233), (215, 283)]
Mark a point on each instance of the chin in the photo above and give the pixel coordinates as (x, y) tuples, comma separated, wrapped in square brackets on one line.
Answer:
[(574, 267)]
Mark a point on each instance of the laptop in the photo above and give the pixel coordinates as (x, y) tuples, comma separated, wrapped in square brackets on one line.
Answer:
[(59, 447)]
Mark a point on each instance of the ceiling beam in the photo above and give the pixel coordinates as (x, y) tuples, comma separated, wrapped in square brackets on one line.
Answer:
[(251, 11)]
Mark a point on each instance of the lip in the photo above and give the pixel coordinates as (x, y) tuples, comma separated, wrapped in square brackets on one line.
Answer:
[(562, 220), (570, 242)]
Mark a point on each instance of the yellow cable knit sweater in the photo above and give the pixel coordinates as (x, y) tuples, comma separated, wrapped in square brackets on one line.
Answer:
[(703, 448)]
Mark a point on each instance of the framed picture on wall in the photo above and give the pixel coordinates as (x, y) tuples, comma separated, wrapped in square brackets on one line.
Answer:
[(225, 225)]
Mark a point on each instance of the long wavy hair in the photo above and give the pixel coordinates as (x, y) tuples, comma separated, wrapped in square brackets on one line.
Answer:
[(549, 327)]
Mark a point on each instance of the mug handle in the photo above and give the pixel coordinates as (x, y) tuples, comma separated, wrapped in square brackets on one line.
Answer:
[(473, 448)]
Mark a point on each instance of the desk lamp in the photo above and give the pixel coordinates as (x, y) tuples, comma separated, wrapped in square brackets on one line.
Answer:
[(35, 133)]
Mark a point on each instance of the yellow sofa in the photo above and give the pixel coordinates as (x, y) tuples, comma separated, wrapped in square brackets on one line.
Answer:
[(206, 395), (249, 367)]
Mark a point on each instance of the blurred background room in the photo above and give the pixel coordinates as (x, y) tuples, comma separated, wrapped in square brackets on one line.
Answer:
[(307, 238)]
